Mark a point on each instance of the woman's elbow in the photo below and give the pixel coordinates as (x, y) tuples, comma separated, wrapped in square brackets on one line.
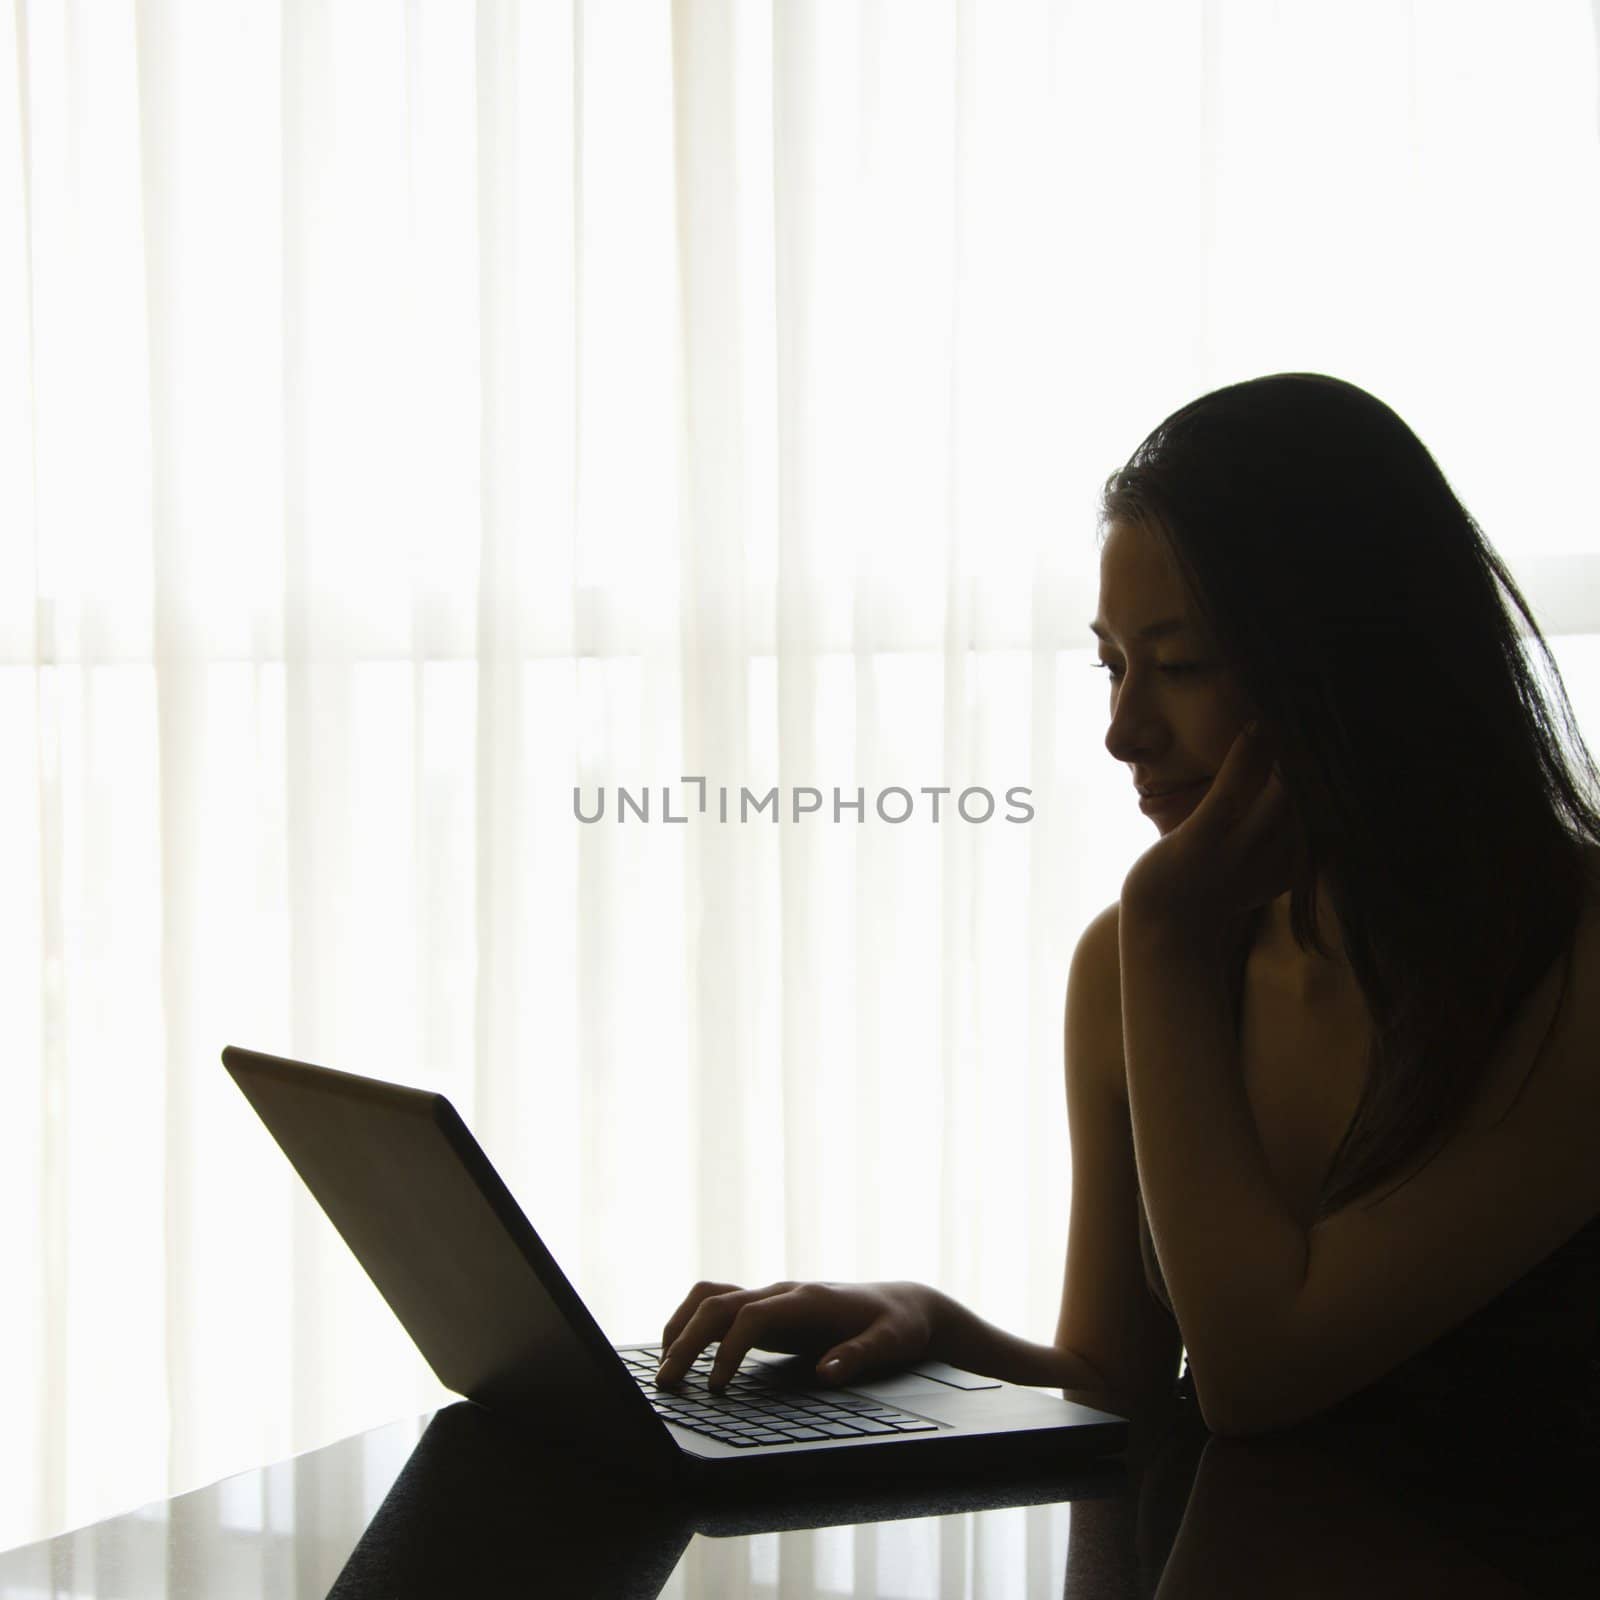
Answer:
[(1246, 1409), (1232, 1425)]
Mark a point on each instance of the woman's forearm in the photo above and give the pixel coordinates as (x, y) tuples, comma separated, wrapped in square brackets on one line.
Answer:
[(1232, 1254), (965, 1340)]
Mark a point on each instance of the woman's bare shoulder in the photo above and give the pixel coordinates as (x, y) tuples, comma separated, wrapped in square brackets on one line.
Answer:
[(1094, 1001), (1101, 936), (1101, 955)]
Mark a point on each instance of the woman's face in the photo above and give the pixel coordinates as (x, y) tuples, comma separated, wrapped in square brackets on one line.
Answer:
[(1175, 705)]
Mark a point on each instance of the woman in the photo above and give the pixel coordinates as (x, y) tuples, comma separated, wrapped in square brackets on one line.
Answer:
[(1333, 1059)]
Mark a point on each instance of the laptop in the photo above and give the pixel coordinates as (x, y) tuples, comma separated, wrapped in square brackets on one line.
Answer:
[(413, 1195)]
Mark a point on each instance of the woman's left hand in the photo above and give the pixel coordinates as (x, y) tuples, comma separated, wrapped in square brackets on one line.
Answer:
[(1234, 852)]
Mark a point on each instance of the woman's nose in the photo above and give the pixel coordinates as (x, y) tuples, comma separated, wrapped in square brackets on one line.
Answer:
[(1134, 728)]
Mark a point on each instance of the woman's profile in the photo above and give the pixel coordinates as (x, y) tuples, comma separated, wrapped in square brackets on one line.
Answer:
[(1332, 1059)]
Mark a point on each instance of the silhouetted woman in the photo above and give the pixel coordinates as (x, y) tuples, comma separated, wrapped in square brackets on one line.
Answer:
[(1333, 1058)]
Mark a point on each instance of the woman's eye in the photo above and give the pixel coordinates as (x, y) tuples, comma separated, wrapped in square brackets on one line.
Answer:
[(1165, 666)]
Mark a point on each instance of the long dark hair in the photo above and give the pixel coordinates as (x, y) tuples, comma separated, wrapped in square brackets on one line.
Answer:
[(1365, 615)]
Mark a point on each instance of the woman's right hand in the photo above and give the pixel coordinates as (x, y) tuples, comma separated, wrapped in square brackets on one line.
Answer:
[(855, 1326)]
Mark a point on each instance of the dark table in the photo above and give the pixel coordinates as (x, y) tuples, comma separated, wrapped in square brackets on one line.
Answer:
[(458, 1503)]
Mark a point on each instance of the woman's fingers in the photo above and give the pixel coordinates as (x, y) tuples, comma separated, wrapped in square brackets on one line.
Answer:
[(809, 1317), (802, 1315), (679, 1319), (692, 1326), (711, 1308), (862, 1327)]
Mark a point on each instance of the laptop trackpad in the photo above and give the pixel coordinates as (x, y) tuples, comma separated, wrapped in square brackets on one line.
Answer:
[(899, 1386), (797, 1372)]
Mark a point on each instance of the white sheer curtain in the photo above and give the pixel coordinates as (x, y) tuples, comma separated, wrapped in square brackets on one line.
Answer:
[(410, 413)]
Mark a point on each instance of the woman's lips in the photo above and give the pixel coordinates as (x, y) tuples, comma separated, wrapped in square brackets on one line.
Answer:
[(1174, 799)]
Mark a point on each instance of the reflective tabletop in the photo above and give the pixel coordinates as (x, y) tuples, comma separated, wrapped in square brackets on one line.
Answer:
[(459, 1503)]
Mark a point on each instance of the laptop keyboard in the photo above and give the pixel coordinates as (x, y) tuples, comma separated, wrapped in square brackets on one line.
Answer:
[(753, 1411)]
